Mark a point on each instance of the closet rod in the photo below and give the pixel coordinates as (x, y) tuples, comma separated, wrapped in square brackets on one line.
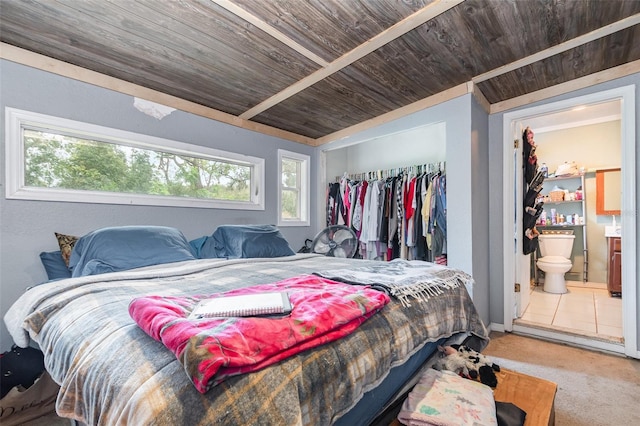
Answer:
[(386, 173)]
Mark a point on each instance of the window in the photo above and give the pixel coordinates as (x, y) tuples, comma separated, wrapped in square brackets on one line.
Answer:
[(293, 196), (55, 159)]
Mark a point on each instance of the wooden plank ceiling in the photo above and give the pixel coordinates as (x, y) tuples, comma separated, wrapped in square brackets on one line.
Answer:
[(316, 67)]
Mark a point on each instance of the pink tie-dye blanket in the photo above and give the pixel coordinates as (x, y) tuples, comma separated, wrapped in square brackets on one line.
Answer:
[(212, 350)]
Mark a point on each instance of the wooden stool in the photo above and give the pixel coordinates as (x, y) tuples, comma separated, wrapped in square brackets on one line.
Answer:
[(535, 396)]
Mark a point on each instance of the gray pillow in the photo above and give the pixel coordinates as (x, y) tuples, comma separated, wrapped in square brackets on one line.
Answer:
[(128, 247), (246, 241)]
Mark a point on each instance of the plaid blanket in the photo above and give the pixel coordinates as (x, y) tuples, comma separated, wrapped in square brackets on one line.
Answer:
[(112, 373)]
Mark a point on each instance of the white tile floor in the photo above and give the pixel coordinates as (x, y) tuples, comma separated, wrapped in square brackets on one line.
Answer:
[(583, 309)]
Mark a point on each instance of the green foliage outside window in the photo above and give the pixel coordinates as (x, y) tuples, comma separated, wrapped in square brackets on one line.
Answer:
[(60, 161), (290, 189)]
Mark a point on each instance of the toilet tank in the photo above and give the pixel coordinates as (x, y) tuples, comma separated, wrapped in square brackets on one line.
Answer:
[(556, 245)]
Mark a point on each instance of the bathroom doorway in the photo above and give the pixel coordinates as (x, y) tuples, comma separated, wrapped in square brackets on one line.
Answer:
[(549, 118)]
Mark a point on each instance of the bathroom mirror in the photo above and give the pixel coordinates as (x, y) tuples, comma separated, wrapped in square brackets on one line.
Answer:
[(608, 192)]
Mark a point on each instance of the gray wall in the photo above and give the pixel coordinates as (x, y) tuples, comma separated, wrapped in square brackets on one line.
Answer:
[(496, 175), (27, 227), (422, 145), (479, 149)]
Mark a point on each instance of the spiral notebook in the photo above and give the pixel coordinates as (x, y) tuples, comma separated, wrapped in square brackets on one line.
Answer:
[(244, 305)]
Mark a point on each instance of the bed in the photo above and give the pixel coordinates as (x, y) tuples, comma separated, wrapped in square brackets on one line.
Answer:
[(112, 372)]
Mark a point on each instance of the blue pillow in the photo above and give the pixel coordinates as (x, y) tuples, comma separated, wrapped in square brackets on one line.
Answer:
[(205, 248), (197, 244), (127, 247), (54, 265), (246, 241)]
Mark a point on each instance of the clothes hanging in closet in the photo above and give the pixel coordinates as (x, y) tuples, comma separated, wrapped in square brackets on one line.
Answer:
[(401, 216)]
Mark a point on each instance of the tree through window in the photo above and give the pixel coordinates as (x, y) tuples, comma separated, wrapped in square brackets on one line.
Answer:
[(70, 160)]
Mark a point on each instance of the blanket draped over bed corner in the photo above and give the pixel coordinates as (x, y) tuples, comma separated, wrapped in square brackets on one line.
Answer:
[(212, 350), (403, 279)]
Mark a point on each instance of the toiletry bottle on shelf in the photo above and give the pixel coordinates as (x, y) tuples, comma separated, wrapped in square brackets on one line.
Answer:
[(544, 170)]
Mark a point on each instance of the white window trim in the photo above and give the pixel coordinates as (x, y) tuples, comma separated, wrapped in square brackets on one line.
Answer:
[(305, 188), (14, 165)]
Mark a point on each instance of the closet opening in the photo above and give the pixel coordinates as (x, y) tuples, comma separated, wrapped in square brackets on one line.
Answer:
[(384, 188)]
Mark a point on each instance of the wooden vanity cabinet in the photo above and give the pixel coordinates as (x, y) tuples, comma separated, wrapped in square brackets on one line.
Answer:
[(614, 281)]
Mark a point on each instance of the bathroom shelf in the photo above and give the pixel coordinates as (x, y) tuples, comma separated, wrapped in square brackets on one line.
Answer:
[(571, 183), (555, 178), (563, 202)]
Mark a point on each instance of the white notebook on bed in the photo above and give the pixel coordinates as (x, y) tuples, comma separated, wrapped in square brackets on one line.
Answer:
[(245, 305)]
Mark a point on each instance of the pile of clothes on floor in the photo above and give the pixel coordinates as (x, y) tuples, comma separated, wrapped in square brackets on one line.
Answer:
[(458, 391)]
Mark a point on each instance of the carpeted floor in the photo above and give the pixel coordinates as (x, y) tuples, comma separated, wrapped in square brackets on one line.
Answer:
[(594, 388), (49, 420)]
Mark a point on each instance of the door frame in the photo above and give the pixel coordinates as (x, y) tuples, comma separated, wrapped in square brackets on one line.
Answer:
[(522, 262), (628, 216)]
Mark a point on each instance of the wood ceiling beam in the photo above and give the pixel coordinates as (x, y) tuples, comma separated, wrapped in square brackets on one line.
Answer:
[(562, 47), (480, 98), (257, 22), (409, 23)]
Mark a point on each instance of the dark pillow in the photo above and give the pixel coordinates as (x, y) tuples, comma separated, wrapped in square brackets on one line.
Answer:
[(205, 248), (128, 247), (246, 241), (197, 244), (54, 265), (66, 243)]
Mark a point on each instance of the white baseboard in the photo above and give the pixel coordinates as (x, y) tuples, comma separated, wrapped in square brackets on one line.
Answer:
[(496, 327)]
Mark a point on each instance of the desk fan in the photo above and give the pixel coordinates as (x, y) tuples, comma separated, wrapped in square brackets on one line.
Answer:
[(335, 241)]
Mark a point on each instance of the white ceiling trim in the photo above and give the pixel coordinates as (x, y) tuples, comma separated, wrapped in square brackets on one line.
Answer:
[(65, 69), (569, 86), (438, 98), (411, 22), (562, 47), (243, 14)]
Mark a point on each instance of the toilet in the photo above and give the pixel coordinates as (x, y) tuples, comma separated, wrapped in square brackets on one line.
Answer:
[(555, 261)]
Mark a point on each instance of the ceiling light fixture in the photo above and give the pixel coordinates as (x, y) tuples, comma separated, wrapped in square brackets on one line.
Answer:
[(152, 109)]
